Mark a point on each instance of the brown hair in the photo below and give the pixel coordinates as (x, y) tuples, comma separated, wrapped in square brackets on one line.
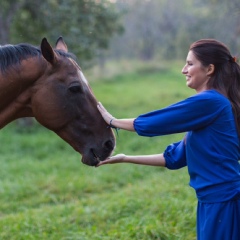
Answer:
[(226, 75)]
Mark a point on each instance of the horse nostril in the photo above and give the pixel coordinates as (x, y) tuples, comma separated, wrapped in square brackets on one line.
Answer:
[(109, 144)]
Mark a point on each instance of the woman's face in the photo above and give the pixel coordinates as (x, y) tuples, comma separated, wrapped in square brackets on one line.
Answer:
[(196, 74)]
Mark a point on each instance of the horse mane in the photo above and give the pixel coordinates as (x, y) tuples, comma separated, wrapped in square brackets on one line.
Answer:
[(13, 54)]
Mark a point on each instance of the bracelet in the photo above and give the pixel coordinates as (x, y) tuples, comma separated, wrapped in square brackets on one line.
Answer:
[(110, 123), (111, 126)]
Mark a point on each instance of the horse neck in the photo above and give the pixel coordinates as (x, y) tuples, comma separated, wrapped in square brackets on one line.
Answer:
[(16, 90)]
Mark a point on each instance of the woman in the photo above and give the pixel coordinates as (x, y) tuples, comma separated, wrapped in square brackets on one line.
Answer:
[(210, 148)]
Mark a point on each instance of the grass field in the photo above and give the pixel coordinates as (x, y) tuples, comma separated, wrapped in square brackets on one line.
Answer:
[(47, 193)]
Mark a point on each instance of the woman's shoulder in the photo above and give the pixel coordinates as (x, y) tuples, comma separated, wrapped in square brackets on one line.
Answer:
[(211, 96), (210, 100)]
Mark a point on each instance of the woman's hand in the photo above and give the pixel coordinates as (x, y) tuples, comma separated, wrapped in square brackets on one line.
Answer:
[(105, 114), (126, 124), (119, 158)]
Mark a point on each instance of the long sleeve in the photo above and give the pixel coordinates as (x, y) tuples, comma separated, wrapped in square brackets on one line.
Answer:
[(175, 155), (190, 114)]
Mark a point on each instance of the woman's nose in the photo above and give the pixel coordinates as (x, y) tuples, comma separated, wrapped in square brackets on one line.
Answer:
[(184, 70)]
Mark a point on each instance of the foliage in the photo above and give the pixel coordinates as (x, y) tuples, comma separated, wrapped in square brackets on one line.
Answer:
[(86, 25), (152, 28), (7, 12), (46, 193), (168, 27)]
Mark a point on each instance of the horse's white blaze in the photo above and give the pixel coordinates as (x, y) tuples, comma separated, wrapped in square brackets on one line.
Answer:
[(83, 77), (79, 71)]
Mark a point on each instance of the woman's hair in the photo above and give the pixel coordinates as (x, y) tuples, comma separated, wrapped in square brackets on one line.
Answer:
[(226, 75)]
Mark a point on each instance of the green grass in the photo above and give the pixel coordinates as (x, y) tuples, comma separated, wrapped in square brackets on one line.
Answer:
[(47, 193)]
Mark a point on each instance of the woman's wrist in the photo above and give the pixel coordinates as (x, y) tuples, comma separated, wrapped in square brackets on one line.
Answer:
[(111, 122), (126, 124)]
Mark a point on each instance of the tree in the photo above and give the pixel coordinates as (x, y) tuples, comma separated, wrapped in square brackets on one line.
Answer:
[(86, 25), (7, 12), (166, 28), (227, 23)]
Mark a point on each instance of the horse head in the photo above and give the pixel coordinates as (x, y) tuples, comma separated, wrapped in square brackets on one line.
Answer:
[(64, 103)]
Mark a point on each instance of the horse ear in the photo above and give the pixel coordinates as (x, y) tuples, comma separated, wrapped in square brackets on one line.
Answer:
[(61, 45), (47, 51)]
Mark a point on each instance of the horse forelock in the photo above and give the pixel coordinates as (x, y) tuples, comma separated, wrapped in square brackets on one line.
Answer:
[(66, 54)]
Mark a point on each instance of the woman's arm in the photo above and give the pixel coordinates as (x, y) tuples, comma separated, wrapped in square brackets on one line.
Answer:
[(126, 124), (151, 160)]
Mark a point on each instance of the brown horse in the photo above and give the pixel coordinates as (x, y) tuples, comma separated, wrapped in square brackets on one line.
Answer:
[(48, 84)]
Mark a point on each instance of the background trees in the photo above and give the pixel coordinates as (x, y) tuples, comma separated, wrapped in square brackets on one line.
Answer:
[(86, 25), (166, 28), (152, 28)]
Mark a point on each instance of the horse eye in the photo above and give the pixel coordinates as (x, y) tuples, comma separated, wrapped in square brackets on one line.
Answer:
[(75, 88)]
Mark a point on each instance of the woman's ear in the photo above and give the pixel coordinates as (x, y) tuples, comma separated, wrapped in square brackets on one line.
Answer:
[(210, 69)]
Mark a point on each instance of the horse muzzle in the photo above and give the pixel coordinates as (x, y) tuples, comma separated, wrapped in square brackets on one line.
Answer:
[(95, 154)]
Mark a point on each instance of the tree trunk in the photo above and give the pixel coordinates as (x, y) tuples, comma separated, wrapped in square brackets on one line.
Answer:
[(6, 19)]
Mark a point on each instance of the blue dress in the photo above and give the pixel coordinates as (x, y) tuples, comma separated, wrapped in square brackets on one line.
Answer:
[(210, 150)]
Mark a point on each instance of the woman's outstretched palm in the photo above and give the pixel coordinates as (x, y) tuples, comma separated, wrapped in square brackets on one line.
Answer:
[(114, 159)]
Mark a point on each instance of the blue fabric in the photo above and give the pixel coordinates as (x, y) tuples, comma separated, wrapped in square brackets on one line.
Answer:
[(218, 221), (175, 155), (210, 150)]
